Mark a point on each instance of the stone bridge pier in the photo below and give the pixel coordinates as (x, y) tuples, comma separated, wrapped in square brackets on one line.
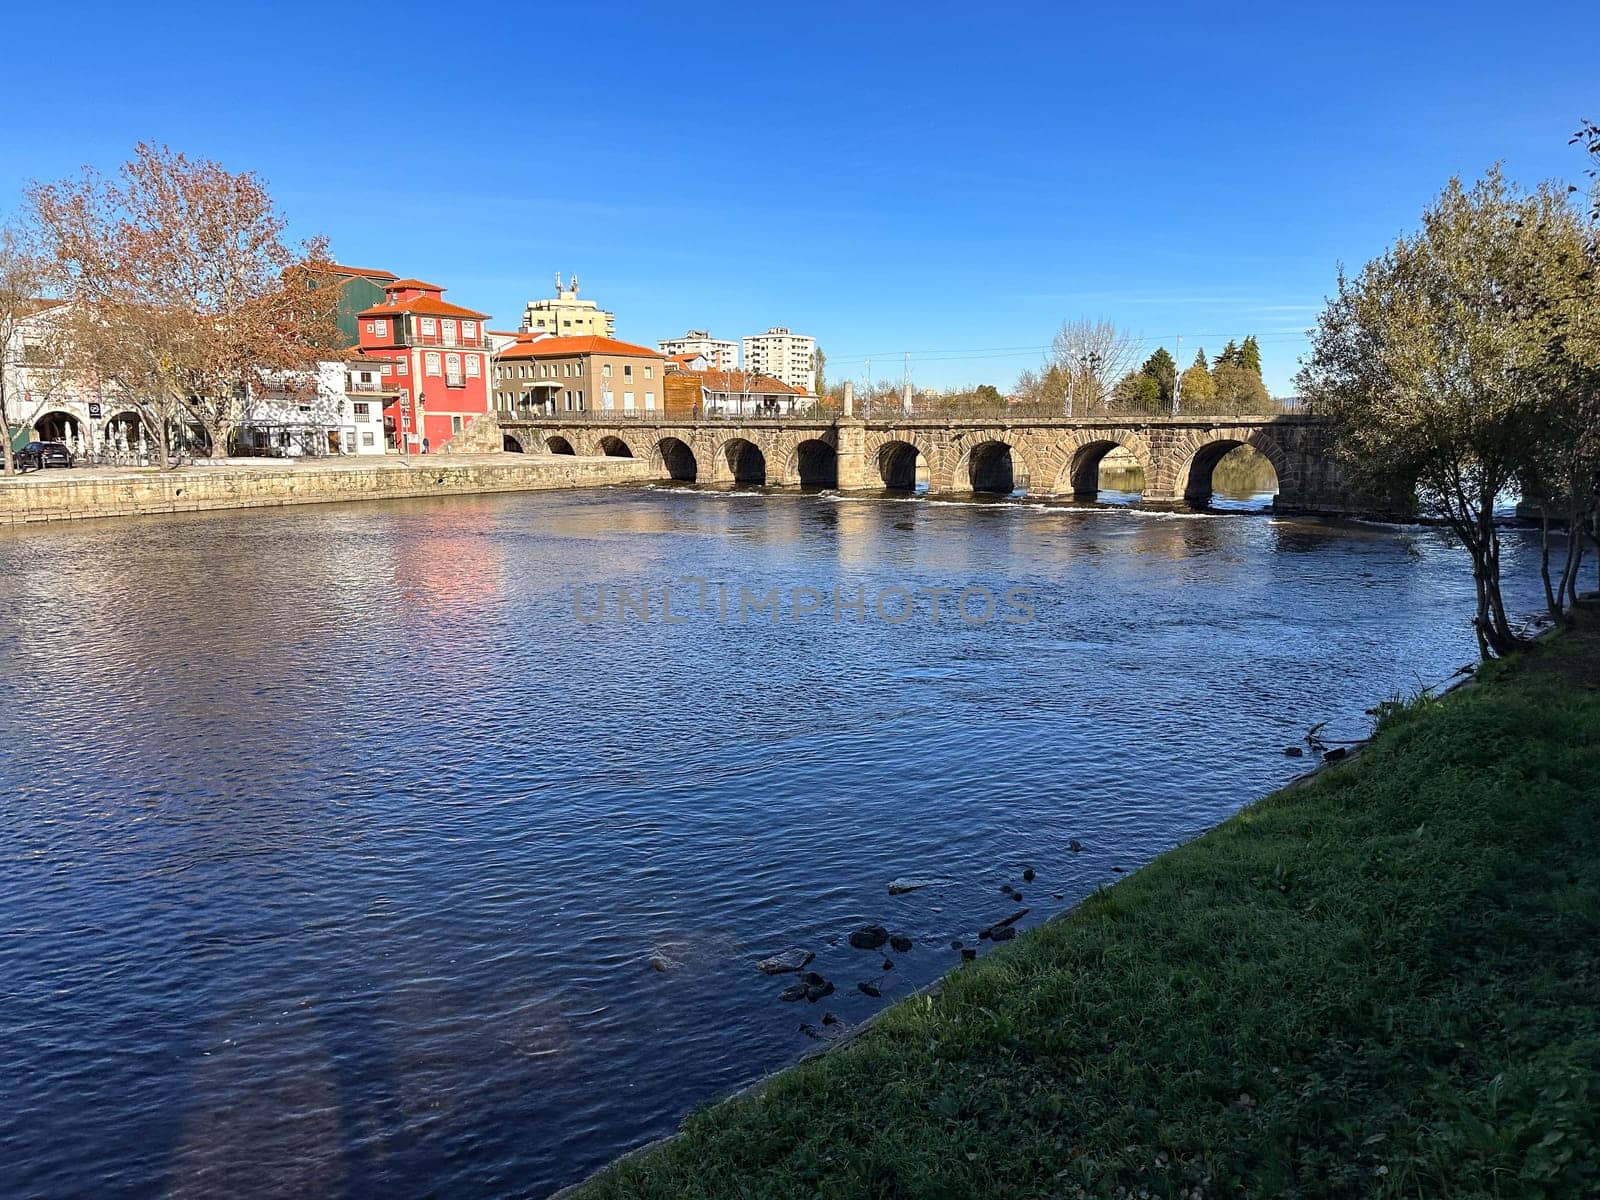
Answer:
[(1043, 457)]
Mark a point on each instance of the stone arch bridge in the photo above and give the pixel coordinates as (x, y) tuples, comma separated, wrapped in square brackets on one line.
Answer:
[(1047, 456)]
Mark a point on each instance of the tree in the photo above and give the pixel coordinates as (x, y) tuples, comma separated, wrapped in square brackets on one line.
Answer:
[(1229, 355), (1250, 355), (183, 290), (1160, 367), (819, 362), (1092, 354), (1137, 392), (23, 278), (1434, 363), (1588, 136), (1237, 389), (1199, 390)]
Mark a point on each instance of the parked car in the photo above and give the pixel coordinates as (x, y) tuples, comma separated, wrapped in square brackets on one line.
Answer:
[(40, 455)]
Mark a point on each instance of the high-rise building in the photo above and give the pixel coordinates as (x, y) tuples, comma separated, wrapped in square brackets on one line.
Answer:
[(720, 354), (567, 316), (782, 355)]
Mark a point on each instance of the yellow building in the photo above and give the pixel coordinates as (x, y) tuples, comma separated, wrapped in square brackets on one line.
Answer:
[(568, 316)]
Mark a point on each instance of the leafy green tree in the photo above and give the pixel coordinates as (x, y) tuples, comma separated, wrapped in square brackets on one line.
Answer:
[(819, 363), (1137, 392), (1250, 355), (1444, 359), (1160, 367)]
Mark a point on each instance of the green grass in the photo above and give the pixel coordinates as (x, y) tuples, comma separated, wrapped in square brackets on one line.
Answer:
[(1385, 983)]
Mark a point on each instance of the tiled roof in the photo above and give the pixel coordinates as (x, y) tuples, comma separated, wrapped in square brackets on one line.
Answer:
[(427, 306), (559, 347), (748, 382), (419, 285)]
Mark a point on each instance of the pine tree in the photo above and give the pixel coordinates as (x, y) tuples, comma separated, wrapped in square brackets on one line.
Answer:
[(1250, 355), (1160, 367), (1229, 355)]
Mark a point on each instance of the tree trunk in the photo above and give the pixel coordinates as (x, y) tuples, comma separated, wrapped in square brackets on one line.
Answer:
[(1552, 598)]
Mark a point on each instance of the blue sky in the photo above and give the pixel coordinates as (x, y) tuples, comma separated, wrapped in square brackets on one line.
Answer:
[(950, 180)]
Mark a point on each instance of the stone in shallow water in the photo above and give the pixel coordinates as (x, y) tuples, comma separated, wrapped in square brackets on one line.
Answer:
[(816, 991), (1075, 845), (900, 943), (968, 953), (869, 937), (782, 964), (795, 991), (1004, 934), (900, 886), (1027, 874), (867, 987), (1293, 752)]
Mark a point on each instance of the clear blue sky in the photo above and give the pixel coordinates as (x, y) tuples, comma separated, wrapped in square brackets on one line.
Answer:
[(952, 180)]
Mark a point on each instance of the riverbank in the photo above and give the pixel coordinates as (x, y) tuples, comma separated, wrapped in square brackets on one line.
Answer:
[(80, 493), (1382, 981)]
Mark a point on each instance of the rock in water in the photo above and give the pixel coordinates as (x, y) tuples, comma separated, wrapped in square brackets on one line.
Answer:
[(662, 963), (1335, 754), (1004, 934), (899, 887), (812, 979), (869, 937), (955, 943), (899, 943), (1075, 846), (810, 1030), (782, 964), (867, 988), (888, 964), (1011, 920), (1293, 752), (795, 991), (816, 991), (1027, 875), (968, 953), (829, 1019)]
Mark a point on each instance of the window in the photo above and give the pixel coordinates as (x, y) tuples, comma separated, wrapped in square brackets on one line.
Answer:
[(627, 370), (605, 370), (361, 409), (648, 372), (580, 399), (649, 401), (430, 362), (474, 365), (399, 366), (455, 424), (369, 438), (449, 331), (452, 369), (469, 329), (381, 328), (429, 326), (627, 401)]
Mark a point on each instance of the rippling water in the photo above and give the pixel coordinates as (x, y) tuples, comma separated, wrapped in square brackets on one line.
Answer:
[(335, 849)]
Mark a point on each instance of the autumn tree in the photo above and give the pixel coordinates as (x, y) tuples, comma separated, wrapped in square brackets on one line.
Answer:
[(184, 292), (1435, 363), (1198, 391)]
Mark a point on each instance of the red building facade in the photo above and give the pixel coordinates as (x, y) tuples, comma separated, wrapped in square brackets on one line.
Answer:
[(438, 372)]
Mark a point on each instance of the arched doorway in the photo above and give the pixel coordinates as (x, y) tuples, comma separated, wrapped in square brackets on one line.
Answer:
[(615, 447), (1104, 471), (509, 444), (902, 467), (1230, 474), (746, 462), (816, 464), (992, 467), (57, 427), (124, 431), (677, 460), (557, 444)]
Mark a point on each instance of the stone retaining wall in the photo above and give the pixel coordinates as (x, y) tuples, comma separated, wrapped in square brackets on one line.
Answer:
[(59, 495)]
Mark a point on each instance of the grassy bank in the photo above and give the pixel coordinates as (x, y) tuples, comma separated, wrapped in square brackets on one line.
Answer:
[(1385, 982)]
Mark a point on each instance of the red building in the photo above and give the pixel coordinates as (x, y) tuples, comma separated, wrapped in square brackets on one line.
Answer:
[(439, 364)]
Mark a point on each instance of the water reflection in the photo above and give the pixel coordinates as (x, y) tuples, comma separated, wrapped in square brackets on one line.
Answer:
[(337, 852)]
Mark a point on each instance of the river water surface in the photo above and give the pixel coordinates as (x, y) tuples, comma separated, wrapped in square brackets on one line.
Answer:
[(336, 849)]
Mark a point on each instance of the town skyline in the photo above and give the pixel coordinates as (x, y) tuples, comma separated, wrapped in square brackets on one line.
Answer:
[(1091, 203)]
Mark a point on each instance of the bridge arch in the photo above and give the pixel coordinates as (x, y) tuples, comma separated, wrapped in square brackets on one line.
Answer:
[(1081, 458), (510, 443), (898, 464), (556, 444), (673, 459), (997, 463), (743, 460), (814, 463), (1196, 458), (614, 447)]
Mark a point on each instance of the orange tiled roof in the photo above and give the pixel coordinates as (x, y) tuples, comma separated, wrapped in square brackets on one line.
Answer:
[(400, 284), (427, 306), (559, 347), (748, 381)]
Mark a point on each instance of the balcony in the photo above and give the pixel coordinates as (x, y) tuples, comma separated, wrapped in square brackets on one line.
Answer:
[(454, 343)]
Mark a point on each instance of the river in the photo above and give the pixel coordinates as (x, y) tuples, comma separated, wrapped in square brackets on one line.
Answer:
[(338, 840)]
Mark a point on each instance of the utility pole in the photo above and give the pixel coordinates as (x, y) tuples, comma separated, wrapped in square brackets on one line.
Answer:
[(905, 383), (866, 407), (1177, 378)]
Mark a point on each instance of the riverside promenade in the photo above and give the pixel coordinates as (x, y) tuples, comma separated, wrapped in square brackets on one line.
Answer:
[(81, 493)]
